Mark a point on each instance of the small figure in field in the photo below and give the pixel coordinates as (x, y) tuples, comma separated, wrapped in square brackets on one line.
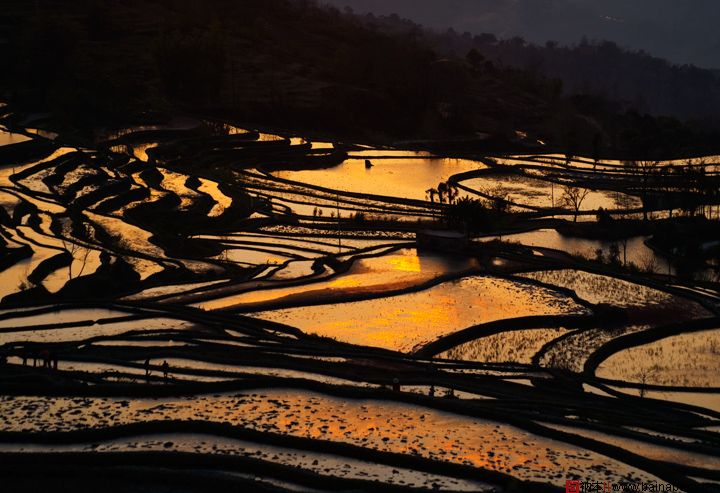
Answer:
[(432, 391), (147, 367), (368, 164), (166, 370), (55, 361), (396, 385), (45, 355)]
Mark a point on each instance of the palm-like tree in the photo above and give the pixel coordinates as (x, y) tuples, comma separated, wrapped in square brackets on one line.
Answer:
[(430, 193), (447, 191), (442, 189), (452, 193)]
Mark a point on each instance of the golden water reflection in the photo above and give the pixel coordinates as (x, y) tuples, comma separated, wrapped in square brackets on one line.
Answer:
[(395, 271), (7, 138), (378, 425), (406, 321), (406, 178)]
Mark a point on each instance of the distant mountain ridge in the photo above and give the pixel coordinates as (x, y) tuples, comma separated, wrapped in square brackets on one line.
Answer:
[(602, 68), (682, 31)]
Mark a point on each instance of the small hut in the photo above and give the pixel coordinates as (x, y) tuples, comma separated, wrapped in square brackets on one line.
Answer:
[(441, 240)]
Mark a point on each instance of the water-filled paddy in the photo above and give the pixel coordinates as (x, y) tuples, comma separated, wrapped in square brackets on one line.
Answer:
[(175, 182), (136, 240), (642, 304), (172, 289), (222, 201), (686, 360), (140, 150), (377, 425), (635, 250), (298, 246), (508, 347), (405, 321), (324, 464), (706, 400), (533, 192), (85, 262), (59, 316), (25, 267), (183, 365), (394, 271), (294, 270), (13, 279), (176, 123), (389, 153), (645, 449), (492, 375), (249, 257), (7, 138), (84, 330), (572, 351), (406, 178), (597, 288)]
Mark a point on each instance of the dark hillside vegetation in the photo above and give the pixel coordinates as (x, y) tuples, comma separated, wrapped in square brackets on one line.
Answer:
[(597, 67), (293, 65), (276, 62)]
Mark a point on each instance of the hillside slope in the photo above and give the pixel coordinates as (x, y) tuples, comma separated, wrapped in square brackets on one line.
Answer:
[(275, 61), (293, 65)]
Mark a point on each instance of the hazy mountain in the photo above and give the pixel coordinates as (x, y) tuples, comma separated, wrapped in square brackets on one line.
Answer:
[(682, 31)]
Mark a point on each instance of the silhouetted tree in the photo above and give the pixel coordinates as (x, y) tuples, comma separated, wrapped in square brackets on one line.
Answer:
[(574, 197)]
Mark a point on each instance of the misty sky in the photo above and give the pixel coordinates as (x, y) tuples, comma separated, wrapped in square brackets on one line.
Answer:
[(683, 31)]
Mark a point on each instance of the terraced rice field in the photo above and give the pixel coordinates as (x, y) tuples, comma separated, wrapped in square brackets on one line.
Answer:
[(196, 296)]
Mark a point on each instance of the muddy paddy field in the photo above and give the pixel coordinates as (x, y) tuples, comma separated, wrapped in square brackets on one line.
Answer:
[(202, 304)]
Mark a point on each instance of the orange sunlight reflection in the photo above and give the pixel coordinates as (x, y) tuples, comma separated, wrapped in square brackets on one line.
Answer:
[(405, 321), (377, 425)]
